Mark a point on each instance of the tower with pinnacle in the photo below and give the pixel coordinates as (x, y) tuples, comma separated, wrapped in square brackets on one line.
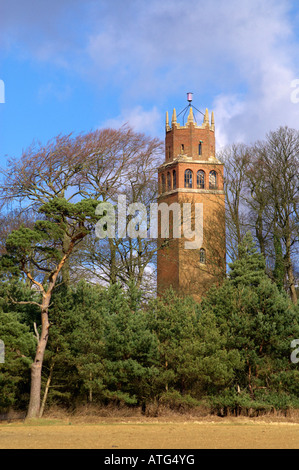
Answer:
[(192, 177)]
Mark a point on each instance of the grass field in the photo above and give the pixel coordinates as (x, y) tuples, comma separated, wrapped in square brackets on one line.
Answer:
[(116, 433)]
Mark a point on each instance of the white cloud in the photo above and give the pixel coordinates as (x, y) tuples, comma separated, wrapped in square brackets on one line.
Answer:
[(238, 57), (138, 118), (41, 30), (241, 53), (226, 108)]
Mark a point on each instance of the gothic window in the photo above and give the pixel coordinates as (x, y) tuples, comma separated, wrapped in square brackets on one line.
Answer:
[(199, 148), (200, 179), (168, 182), (163, 183), (202, 256), (174, 179), (188, 179), (213, 180)]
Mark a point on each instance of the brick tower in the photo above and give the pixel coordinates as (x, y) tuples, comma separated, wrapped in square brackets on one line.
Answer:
[(191, 174)]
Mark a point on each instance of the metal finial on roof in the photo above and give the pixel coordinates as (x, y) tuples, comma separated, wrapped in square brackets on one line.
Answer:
[(189, 99)]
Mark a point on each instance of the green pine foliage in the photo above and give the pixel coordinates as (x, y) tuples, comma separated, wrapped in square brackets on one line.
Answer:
[(249, 268), (231, 352), (193, 360), (105, 345), (260, 322), (20, 346), (130, 353)]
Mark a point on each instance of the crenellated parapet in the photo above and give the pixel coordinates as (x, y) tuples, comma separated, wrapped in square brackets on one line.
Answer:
[(191, 140), (190, 121)]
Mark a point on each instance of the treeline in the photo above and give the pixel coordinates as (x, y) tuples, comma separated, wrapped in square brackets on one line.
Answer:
[(230, 353), (262, 195), (79, 317)]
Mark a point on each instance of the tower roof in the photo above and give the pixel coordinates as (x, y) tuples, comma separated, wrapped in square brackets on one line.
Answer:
[(191, 118)]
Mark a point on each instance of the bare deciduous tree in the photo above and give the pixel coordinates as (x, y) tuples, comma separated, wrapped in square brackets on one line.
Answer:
[(262, 194)]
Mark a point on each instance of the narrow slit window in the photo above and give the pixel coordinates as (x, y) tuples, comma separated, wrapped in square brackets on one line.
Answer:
[(168, 182), (199, 148), (163, 183), (174, 179), (202, 256)]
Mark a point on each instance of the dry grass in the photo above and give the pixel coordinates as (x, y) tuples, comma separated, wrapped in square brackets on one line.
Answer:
[(151, 434), (90, 414), (111, 428)]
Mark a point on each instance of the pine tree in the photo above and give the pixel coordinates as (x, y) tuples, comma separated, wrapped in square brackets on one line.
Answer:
[(260, 322), (249, 268), (73, 369), (193, 361), (19, 345), (130, 355), (37, 253)]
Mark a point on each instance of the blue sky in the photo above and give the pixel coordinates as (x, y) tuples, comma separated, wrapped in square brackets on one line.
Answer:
[(74, 66)]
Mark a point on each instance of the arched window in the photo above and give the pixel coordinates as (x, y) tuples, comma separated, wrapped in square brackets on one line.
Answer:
[(202, 256), (188, 179), (168, 181), (213, 180), (200, 179), (163, 183), (174, 179)]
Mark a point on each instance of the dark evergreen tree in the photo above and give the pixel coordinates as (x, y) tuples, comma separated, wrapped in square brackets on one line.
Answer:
[(260, 322), (193, 361), (19, 350), (130, 350), (249, 268)]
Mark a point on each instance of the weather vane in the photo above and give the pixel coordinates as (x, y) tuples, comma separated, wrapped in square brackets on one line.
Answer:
[(189, 99)]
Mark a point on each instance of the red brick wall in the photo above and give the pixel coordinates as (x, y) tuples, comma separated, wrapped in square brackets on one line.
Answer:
[(190, 136), (176, 266), (181, 167)]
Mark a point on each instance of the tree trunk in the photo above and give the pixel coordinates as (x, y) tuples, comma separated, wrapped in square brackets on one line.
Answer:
[(259, 230), (290, 272), (291, 282), (36, 367), (46, 390), (90, 388), (112, 262), (65, 270), (279, 267)]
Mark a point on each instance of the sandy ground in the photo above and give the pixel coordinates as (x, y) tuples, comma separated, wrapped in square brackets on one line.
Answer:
[(230, 434)]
